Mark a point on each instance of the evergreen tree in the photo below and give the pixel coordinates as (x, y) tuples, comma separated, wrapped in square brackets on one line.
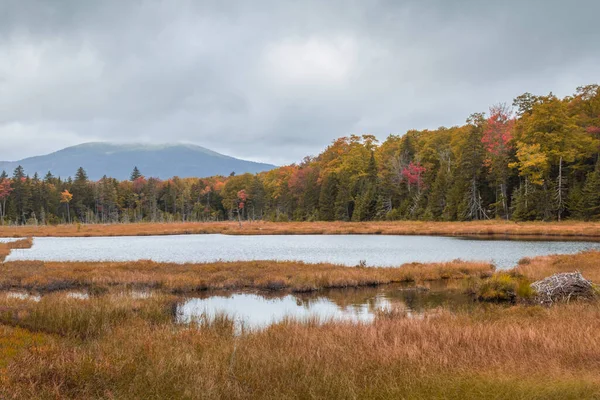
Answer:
[(20, 205), (49, 178), (135, 174), (83, 198), (327, 198), (437, 198), (589, 205)]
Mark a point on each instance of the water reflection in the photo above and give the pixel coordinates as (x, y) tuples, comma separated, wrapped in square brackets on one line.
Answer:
[(256, 310)]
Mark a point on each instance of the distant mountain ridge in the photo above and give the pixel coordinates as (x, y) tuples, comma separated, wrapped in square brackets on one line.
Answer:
[(118, 160)]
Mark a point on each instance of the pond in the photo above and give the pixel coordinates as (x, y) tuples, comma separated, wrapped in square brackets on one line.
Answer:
[(256, 310), (376, 250), (8, 240)]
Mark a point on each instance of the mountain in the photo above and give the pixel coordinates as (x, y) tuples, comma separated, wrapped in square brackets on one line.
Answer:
[(118, 160)]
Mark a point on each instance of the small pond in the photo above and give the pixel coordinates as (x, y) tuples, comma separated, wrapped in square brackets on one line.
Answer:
[(258, 310)]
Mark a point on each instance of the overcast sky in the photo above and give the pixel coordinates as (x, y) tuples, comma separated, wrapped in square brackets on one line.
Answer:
[(275, 80)]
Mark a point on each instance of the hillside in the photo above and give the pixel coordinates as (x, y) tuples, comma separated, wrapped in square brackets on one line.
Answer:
[(118, 160)]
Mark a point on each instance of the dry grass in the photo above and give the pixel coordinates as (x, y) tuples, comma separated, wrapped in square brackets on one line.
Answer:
[(117, 347), (73, 317), (588, 263), (269, 275), (564, 230), (519, 352), (5, 248)]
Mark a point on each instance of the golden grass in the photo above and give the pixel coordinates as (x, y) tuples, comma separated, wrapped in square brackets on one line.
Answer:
[(569, 229), (118, 347), (67, 316), (588, 263), (492, 353), (5, 248), (268, 275)]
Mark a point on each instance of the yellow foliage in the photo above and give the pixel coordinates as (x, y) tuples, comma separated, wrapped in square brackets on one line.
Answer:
[(533, 163), (66, 197)]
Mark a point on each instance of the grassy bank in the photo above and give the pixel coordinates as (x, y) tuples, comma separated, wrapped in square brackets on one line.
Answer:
[(5, 248), (532, 230), (588, 263), (495, 353), (267, 275), (115, 346)]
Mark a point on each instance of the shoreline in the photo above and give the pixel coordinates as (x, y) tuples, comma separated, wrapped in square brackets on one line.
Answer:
[(485, 230)]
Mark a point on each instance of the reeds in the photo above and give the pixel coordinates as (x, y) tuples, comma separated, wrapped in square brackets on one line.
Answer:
[(494, 352), (67, 316)]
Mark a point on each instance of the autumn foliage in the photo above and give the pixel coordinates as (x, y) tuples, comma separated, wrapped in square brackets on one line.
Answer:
[(536, 160)]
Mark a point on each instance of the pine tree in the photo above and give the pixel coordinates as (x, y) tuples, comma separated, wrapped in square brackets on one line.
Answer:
[(81, 175), (437, 197), (590, 197), (49, 178), (21, 196), (135, 174), (327, 198), (83, 197)]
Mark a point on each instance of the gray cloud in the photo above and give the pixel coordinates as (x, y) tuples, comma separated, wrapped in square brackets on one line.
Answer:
[(275, 80)]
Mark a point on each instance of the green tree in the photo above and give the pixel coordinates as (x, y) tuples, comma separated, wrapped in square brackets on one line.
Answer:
[(589, 205), (135, 174), (328, 197)]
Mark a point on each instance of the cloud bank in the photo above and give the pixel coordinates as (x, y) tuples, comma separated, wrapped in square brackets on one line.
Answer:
[(271, 80)]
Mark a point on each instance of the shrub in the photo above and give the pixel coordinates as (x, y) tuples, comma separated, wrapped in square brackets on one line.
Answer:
[(504, 286)]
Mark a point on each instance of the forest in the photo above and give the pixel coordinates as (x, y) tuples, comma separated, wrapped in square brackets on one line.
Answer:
[(536, 159)]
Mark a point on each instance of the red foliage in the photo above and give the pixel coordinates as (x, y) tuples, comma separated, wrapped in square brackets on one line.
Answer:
[(138, 184), (297, 181), (413, 174), (498, 133), (5, 189), (593, 130)]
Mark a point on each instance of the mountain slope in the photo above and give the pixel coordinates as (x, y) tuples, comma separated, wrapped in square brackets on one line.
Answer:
[(118, 160)]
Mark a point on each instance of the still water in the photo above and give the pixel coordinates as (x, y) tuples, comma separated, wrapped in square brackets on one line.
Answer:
[(8, 240), (255, 311), (376, 250)]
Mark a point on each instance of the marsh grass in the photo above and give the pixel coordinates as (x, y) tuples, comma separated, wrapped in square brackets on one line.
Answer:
[(115, 346), (588, 263), (14, 340), (493, 352), (484, 229), (73, 317), (187, 278), (6, 248)]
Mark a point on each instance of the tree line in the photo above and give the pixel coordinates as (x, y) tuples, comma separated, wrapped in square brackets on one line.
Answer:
[(535, 160)]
